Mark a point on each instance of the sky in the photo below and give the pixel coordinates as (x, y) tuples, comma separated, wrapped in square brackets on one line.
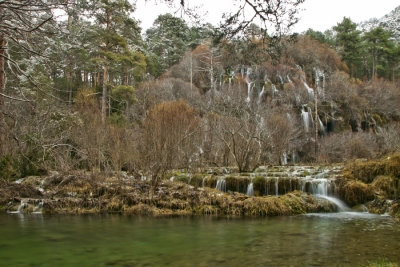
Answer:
[(319, 15)]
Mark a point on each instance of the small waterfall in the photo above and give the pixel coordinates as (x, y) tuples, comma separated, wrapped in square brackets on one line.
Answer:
[(340, 204), (221, 185), (319, 75), (275, 91), (250, 191), (261, 94), (203, 183), (38, 208), (321, 125), (290, 81), (294, 156), (277, 186), (309, 90), (21, 207), (284, 158), (280, 79), (248, 91), (307, 118)]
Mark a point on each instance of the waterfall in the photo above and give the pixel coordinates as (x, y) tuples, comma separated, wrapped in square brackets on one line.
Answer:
[(284, 158), (21, 207), (276, 186), (340, 204), (305, 117), (221, 185), (203, 183), (250, 191), (319, 75), (321, 125), (261, 94), (294, 156), (280, 79), (39, 207), (309, 90), (275, 92), (248, 91)]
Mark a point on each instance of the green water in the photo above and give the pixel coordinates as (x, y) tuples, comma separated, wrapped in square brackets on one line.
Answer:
[(343, 239)]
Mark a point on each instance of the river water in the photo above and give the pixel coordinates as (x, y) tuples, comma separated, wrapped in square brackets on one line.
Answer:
[(339, 239)]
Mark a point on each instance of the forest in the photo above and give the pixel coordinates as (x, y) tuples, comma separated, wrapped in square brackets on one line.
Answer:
[(89, 91)]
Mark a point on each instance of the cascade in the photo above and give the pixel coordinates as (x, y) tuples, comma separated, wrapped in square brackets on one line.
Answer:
[(294, 156), (284, 158), (309, 90), (221, 185), (290, 81), (203, 183), (39, 207), (250, 191), (307, 118), (275, 91), (321, 125), (340, 204), (280, 79), (21, 207), (319, 75), (248, 91), (261, 94)]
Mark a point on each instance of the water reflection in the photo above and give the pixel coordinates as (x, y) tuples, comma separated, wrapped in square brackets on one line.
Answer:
[(338, 239)]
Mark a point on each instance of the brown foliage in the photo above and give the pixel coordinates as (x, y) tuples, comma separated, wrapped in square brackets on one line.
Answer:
[(169, 134), (310, 53), (354, 192)]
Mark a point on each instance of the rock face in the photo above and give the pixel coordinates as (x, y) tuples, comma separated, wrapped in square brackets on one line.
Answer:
[(88, 193)]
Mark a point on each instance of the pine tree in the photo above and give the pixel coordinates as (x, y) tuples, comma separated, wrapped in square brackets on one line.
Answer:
[(348, 39), (113, 25), (380, 47)]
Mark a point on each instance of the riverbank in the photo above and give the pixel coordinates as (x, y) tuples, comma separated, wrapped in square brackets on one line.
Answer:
[(269, 191), (92, 193)]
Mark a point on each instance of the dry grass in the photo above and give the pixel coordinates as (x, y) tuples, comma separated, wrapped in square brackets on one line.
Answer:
[(354, 192), (85, 193)]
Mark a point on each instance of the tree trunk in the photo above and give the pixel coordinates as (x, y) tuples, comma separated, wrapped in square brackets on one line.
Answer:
[(2, 87), (104, 96), (105, 74)]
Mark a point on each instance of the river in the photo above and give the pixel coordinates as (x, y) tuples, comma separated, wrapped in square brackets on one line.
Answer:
[(336, 239)]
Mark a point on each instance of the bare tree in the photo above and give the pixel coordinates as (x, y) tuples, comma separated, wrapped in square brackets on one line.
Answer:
[(21, 24)]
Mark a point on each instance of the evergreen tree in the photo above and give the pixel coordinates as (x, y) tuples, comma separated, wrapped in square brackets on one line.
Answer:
[(167, 40), (113, 25), (348, 39), (380, 47)]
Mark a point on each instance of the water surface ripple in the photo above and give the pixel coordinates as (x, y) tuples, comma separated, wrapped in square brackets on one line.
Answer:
[(336, 239)]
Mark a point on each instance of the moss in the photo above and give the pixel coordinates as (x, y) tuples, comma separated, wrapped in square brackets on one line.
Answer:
[(260, 170), (237, 183), (183, 178), (367, 171), (259, 186), (381, 263), (387, 186), (354, 192), (196, 180)]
